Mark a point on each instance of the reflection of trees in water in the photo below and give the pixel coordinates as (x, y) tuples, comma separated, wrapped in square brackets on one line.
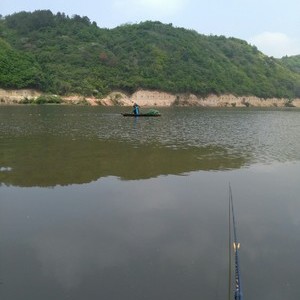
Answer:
[(50, 161)]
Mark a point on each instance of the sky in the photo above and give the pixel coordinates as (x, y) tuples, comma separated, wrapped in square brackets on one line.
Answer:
[(273, 26)]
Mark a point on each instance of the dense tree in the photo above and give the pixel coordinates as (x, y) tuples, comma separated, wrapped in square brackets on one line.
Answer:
[(18, 70), (292, 62), (62, 54)]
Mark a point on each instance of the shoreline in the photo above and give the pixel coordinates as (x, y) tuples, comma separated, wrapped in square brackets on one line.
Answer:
[(146, 98)]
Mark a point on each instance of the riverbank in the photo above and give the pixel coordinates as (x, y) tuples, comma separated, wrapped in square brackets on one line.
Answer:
[(147, 98)]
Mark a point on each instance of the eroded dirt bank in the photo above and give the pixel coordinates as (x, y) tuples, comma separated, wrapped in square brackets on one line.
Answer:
[(154, 98)]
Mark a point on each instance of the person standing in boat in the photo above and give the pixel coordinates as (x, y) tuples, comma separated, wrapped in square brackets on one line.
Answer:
[(136, 109)]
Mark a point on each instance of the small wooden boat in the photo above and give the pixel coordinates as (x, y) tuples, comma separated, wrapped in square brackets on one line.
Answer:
[(150, 113), (140, 115)]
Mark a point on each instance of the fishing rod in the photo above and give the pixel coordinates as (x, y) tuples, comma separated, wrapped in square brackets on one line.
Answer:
[(238, 295)]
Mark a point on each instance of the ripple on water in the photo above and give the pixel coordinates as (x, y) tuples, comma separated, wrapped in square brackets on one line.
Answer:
[(262, 134)]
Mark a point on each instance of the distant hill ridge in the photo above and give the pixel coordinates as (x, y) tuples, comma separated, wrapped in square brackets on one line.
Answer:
[(58, 54)]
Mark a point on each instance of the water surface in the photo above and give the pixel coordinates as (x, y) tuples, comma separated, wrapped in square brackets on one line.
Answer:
[(97, 206)]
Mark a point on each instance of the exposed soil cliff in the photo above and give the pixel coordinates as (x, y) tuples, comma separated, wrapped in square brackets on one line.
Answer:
[(155, 98)]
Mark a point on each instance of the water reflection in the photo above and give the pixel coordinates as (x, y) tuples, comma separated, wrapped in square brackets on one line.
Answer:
[(124, 241), (54, 160), (160, 238), (52, 145)]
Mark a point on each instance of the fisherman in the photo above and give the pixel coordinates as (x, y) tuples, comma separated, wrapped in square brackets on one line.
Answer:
[(136, 109)]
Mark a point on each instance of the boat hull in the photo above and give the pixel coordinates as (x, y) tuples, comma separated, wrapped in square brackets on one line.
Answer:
[(140, 115)]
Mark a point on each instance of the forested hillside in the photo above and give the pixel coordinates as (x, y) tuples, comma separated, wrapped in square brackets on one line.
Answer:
[(292, 62), (62, 55)]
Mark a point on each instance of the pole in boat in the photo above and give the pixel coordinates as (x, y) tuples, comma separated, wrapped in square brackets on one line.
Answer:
[(238, 295)]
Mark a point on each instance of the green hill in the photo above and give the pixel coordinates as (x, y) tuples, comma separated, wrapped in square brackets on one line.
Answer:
[(292, 62), (63, 55)]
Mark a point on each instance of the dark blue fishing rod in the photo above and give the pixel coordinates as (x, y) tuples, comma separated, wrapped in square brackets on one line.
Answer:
[(238, 294)]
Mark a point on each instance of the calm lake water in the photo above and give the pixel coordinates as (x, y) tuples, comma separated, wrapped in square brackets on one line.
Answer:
[(97, 206)]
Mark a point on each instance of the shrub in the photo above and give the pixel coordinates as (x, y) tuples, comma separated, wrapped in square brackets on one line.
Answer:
[(27, 101), (48, 99)]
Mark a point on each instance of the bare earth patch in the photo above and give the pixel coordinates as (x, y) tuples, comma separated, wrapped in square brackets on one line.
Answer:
[(147, 98)]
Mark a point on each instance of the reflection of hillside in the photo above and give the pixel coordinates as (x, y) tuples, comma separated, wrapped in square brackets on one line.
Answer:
[(50, 161)]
